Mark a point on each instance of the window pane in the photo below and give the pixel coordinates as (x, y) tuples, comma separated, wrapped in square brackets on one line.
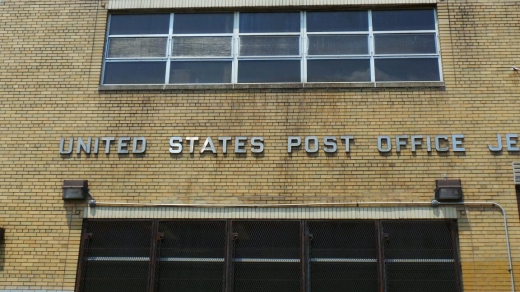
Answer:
[(269, 45), (405, 44), (338, 70), (203, 23), (139, 24), (264, 71), (134, 72), (270, 22), (201, 47), (338, 44), (403, 20), (412, 69), (137, 47), (200, 72), (337, 21)]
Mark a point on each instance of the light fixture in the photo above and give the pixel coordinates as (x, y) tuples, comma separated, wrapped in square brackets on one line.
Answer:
[(448, 190), (2, 234), (75, 189)]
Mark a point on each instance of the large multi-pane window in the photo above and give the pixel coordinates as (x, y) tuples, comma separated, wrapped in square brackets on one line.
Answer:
[(268, 256), (272, 47)]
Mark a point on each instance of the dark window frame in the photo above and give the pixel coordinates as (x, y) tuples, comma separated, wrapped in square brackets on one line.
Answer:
[(305, 237), (225, 69)]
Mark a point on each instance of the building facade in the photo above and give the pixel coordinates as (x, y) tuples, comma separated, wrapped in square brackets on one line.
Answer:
[(269, 145)]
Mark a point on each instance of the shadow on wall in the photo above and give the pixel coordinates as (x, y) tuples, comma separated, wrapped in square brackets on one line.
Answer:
[(74, 215), (2, 250)]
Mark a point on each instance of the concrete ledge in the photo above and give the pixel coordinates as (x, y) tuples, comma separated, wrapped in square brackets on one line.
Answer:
[(310, 85)]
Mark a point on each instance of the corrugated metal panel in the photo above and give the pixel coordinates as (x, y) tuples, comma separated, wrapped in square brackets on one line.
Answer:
[(145, 4), (274, 213)]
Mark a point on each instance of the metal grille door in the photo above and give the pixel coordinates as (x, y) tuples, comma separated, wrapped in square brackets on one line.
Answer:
[(343, 256), (267, 256), (191, 256), (117, 256), (420, 256)]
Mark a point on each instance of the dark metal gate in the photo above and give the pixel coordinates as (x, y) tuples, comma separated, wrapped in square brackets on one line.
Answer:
[(268, 256)]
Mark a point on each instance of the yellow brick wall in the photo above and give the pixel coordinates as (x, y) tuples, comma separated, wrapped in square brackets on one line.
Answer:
[(50, 64)]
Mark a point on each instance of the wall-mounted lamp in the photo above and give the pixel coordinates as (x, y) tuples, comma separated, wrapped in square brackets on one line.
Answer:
[(75, 189), (448, 190), (2, 234)]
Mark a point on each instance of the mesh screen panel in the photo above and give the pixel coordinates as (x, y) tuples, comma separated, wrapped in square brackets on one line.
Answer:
[(109, 276), (117, 256), (191, 256), (267, 277), (190, 276), (424, 277), (418, 240), (267, 239), (267, 256), (343, 256), (419, 255), (119, 238)]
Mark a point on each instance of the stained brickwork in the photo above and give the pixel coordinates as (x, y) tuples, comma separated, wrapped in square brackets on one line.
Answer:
[(50, 66)]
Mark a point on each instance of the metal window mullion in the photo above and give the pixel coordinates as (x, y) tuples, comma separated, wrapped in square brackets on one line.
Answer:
[(235, 48), (270, 57), (202, 35), (343, 260), (140, 36), (419, 260), (338, 56), (216, 58), (338, 33), (437, 44), (199, 260), (119, 259), (303, 46), (272, 33), (371, 47), (403, 31), (408, 56), (136, 59), (169, 50), (106, 49)]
